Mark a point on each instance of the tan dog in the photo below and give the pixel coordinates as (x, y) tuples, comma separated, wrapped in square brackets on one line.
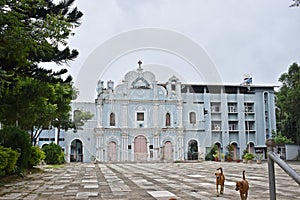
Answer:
[(243, 187), (220, 179)]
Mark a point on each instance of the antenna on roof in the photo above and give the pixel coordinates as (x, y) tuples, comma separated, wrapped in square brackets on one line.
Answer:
[(247, 80)]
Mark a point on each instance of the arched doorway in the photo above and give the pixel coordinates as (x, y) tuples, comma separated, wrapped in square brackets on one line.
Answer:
[(112, 151), (140, 148), (218, 145), (76, 151), (218, 148), (235, 151), (168, 151), (193, 150), (251, 148)]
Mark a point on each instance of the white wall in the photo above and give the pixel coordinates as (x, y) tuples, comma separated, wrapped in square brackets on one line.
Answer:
[(292, 151)]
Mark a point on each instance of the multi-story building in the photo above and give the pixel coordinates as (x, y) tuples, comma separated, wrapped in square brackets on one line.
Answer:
[(49, 135), (143, 120)]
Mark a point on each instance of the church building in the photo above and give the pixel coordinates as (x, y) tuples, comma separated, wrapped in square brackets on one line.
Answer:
[(141, 120)]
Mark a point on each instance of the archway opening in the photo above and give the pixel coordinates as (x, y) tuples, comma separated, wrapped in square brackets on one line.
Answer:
[(140, 148), (218, 145), (76, 151), (112, 151), (250, 147), (193, 150), (235, 151), (168, 151)]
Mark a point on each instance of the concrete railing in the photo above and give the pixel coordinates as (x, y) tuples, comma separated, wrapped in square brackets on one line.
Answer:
[(272, 157)]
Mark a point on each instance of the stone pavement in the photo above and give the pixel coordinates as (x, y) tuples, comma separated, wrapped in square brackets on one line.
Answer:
[(145, 181)]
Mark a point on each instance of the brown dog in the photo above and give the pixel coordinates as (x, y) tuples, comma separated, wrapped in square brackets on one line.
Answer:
[(243, 187), (220, 179)]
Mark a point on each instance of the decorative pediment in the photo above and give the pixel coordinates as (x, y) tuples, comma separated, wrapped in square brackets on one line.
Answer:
[(140, 83), (173, 79)]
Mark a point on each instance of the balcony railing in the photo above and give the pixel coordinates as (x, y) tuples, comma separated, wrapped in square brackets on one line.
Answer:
[(272, 157)]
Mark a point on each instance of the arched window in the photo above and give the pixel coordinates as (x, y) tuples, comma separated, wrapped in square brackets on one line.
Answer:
[(168, 119), (192, 118), (112, 119)]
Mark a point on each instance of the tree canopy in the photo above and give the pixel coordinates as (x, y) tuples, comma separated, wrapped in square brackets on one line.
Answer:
[(288, 103), (80, 117), (35, 31), (282, 139), (32, 33)]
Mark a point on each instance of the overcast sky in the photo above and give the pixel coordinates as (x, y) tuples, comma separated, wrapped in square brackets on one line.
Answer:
[(260, 37)]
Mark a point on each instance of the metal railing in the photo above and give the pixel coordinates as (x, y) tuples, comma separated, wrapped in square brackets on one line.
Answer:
[(272, 157)]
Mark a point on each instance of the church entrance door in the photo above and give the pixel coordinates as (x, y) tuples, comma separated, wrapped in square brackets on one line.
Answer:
[(112, 151), (140, 148), (168, 151)]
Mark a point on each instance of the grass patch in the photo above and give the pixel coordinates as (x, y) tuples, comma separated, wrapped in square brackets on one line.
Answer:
[(54, 166)]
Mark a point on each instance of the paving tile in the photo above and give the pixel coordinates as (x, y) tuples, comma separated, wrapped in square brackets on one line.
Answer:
[(80, 195), (158, 194), (149, 181)]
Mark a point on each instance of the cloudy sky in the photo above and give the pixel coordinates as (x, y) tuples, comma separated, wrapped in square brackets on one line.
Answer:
[(251, 36)]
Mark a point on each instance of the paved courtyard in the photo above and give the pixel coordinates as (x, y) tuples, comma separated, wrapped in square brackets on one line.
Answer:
[(145, 181)]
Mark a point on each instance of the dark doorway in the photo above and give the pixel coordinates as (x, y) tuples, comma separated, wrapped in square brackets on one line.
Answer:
[(76, 151), (193, 150)]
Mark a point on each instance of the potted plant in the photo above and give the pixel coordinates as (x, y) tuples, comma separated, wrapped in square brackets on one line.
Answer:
[(229, 155), (258, 158), (249, 157), (222, 157), (216, 155), (243, 156)]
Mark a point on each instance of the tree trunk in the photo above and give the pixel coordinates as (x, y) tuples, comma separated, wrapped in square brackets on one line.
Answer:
[(58, 135)]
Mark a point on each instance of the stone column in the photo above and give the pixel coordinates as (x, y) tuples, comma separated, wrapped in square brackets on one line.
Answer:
[(124, 147), (99, 116), (156, 146), (179, 114), (155, 115), (178, 90), (124, 115), (169, 89), (155, 94), (99, 148), (180, 149)]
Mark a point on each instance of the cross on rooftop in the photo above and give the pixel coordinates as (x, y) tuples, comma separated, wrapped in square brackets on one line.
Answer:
[(140, 66)]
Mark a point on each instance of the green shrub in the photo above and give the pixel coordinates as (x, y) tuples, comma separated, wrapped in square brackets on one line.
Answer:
[(19, 141), (249, 156), (54, 154), (8, 160), (244, 153), (37, 155), (3, 158), (211, 153)]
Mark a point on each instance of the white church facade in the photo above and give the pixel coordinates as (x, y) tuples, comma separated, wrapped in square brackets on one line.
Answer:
[(143, 120)]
